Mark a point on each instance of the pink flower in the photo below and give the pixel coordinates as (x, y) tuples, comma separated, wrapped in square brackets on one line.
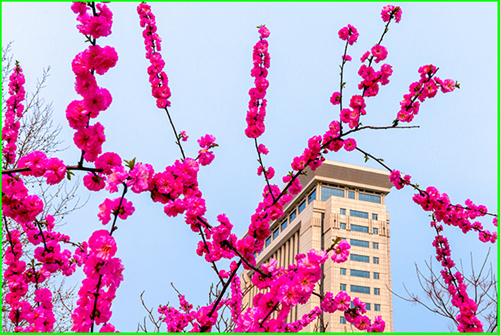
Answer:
[(77, 115), (335, 99), (349, 144), (102, 244), (93, 182), (342, 301), (262, 149), (341, 252), (390, 11), (35, 161), (55, 171), (207, 141), (264, 32), (379, 52), (141, 177), (107, 161)]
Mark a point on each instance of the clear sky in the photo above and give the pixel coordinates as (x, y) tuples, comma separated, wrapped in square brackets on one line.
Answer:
[(207, 48)]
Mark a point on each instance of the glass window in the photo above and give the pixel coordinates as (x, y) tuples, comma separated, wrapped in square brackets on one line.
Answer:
[(360, 258), (302, 206), (327, 192), (360, 243), (360, 289), (284, 224), (276, 233), (376, 291), (343, 287), (342, 320), (350, 194), (376, 275), (377, 307), (343, 271), (370, 197), (268, 241), (363, 229), (374, 216), (376, 260), (368, 306), (292, 216), (359, 273), (342, 211), (312, 196), (342, 225), (375, 245), (358, 214), (375, 231)]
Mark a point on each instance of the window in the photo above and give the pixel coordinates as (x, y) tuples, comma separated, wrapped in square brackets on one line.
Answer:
[(374, 216), (350, 194), (342, 320), (360, 258), (342, 225), (284, 224), (363, 229), (369, 197), (375, 245), (292, 216), (360, 243), (302, 206), (268, 241), (368, 306), (376, 260), (375, 231), (312, 196), (342, 211), (376, 275), (276, 233), (360, 289), (343, 271), (376, 291), (327, 192), (343, 287), (358, 214), (359, 273), (377, 307)]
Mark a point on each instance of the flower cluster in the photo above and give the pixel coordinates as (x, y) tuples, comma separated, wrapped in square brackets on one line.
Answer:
[(425, 87), (467, 319), (349, 34), (14, 109), (454, 215), (94, 59), (157, 77), (398, 181), (389, 12), (53, 169), (102, 271), (205, 156), (257, 105)]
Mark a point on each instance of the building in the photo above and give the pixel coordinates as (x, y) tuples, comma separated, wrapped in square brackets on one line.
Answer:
[(341, 200)]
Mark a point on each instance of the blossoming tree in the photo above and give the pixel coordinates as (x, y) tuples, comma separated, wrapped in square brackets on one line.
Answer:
[(175, 188)]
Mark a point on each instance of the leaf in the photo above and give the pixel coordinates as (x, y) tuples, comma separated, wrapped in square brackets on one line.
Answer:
[(130, 164), (69, 173), (366, 158)]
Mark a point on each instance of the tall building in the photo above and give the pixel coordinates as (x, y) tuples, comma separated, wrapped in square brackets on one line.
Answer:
[(337, 200)]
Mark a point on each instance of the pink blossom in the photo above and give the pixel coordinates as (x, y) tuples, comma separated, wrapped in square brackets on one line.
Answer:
[(350, 144), (341, 252), (55, 171)]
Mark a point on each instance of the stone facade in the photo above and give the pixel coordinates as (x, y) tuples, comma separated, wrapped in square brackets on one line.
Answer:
[(338, 200)]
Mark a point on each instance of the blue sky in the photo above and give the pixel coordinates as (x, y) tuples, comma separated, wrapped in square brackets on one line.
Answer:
[(207, 48)]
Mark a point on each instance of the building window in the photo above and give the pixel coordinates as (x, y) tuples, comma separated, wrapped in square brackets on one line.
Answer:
[(276, 233), (268, 241), (302, 206), (363, 229), (374, 216), (342, 225), (359, 273), (360, 243), (327, 192), (343, 271), (370, 197), (358, 214), (376, 275), (375, 245), (343, 287), (360, 289), (375, 231), (342, 320), (377, 307), (312, 196), (350, 194), (284, 224), (368, 306), (292, 216), (360, 258), (376, 291), (342, 211), (376, 260)]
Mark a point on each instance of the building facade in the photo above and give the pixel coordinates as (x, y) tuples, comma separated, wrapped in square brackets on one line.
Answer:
[(337, 200)]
